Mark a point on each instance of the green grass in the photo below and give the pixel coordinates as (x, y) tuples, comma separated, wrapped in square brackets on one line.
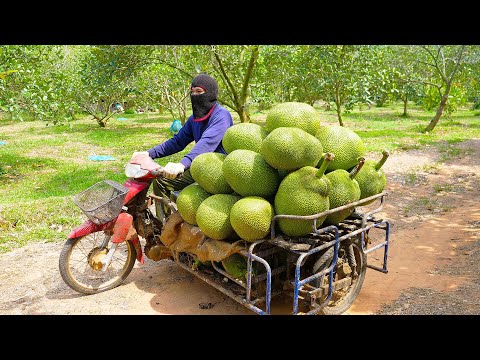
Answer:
[(43, 167)]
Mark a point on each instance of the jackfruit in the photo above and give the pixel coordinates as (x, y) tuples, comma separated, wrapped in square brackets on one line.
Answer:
[(248, 174), (251, 217), (290, 148), (206, 170), (344, 189), (188, 201), (372, 180), (235, 265), (293, 114), (303, 192), (213, 216), (347, 146), (247, 136)]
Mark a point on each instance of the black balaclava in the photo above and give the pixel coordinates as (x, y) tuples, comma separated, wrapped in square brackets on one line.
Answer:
[(203, 103)]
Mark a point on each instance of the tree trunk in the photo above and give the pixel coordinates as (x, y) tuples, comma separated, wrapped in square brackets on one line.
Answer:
[(243, 113), (439, 113), (338, 106), (339, 114), (405, 102)]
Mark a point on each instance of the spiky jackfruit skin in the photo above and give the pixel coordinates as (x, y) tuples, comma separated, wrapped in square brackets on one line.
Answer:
[(206, 170), (301, 193), (251, 217), (344, 143), (235, 265), (293, 114), (370, 180), (188, 201), (290, 148), (248, 174), (213, 216), (248, 136), (343, 191)]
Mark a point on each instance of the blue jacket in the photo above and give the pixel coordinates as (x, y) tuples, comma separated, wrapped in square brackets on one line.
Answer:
[(207, 134)]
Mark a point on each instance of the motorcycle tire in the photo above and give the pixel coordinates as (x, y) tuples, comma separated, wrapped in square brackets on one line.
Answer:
[(79, 264)]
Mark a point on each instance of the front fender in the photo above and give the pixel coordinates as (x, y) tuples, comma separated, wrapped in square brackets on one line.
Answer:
[(88, 227), (121, 227), (123, 230)]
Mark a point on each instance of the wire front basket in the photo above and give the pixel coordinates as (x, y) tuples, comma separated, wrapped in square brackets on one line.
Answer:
[(102, 202)]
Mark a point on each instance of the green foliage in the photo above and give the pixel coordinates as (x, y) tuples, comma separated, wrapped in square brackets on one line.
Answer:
[(456, 98), (42, 85), (107, 76)]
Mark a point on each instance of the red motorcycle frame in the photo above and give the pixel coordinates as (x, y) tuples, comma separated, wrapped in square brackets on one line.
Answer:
[(99, 254)]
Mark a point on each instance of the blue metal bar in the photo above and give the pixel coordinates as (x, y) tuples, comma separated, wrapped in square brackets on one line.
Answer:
[(249, 267), (268, 294), (299, 283), (382, 244)]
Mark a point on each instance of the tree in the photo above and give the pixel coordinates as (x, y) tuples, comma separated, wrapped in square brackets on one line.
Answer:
[(437, 66), (471, 79), (231, 65), (339, 68), (406, 87), (107, 74), (235, 65), (284, 73), (41, 86), (166, 80)]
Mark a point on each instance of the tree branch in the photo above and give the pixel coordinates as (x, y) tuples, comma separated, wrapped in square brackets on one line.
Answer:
[(248, 75), (457, 63), (184, 72), (421, 82), (225, 76)]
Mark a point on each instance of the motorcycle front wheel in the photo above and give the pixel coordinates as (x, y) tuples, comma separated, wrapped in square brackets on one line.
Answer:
[(81, 267)]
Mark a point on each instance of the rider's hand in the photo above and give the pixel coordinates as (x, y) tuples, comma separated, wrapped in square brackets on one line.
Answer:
[(172, 170), (138, 155)]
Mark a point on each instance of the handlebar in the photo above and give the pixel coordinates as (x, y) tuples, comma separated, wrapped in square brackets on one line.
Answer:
[(157, 172)]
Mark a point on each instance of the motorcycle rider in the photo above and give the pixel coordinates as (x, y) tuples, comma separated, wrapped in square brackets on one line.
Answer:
[(206, 126)]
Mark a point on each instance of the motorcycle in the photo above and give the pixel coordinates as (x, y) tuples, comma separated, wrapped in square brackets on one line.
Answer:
[(322, 273)]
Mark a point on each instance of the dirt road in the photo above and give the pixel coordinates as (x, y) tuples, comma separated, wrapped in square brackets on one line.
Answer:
[(434, 210)]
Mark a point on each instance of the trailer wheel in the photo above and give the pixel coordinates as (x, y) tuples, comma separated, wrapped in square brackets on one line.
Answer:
[(341, 299)]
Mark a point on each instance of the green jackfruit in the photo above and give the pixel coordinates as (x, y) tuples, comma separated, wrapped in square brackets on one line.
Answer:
[(347, 146), (248, 174), (251, 217), (290, 148), (344, 190), (213, 216), (236, 266), (303, 192), (247, 136), (206, 170), (188, 201), (293, 114), (371, 179)]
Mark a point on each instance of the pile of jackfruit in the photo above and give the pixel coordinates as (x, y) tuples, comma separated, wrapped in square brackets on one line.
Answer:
[(292, 165)]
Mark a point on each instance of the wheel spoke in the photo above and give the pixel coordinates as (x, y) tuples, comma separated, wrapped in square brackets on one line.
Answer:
[(86, 250)]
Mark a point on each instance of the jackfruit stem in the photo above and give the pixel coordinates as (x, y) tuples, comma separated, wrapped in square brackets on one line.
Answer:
[(326, 159), (357, 168), (385, 154)]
